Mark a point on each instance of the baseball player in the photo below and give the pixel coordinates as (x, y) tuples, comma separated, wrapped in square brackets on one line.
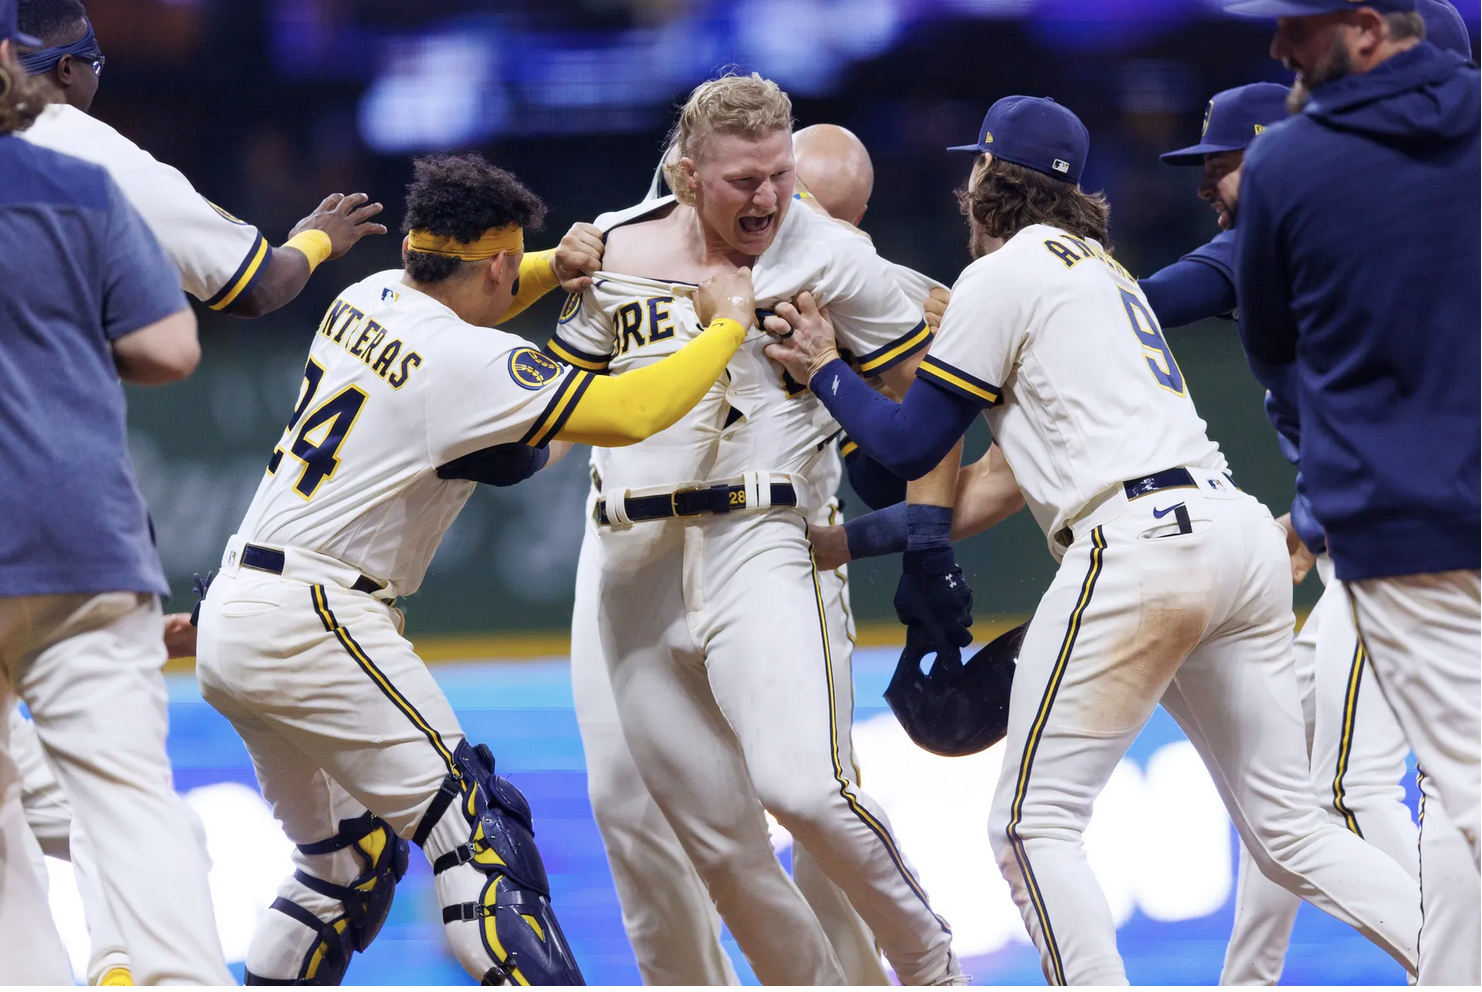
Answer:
[(709, 609), (299, 642), (1357, 750), (1173, 584), (667, 911), (224, 262), (1374, 351)]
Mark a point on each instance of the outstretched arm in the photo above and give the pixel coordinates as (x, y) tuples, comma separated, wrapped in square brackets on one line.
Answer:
[(909, 438), (613, 411), (331, 230), (569, 265)]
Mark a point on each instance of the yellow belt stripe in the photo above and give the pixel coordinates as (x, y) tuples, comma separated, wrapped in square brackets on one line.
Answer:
[(909, 342), (252, 267), (566, 356), (1345, 739), (937, 372), (331, 624), (833, 724), (1021, 789)]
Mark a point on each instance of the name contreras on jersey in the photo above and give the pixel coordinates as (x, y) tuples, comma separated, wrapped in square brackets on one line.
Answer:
[(1071, 250), (348, 327)]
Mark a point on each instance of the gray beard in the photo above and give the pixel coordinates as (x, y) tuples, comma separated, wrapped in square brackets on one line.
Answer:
[(1332, 67)]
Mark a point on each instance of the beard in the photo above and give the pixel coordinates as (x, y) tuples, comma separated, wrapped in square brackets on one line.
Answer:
[(1333, 66)]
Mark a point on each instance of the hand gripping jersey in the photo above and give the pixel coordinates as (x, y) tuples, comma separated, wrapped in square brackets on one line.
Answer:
[(395, 386), (219, 256), (755, 418), (1080, 389)]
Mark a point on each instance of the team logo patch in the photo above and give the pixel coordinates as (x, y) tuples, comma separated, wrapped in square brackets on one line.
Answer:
[(531, 369), (1207, 112), (570, 309)]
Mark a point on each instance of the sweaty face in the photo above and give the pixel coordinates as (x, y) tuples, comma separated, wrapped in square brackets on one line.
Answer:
[(1316, 49), (744, 188), (1221, 185)]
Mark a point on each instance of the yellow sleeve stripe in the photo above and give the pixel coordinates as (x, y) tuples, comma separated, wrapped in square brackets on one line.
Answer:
[(242, 280), (848, 448), (570, 356), (558, 409), (958, 381), (897, 351)]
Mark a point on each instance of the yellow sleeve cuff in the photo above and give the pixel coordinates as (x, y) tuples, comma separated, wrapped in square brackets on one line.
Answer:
[(314, 244), (537, 278), (614, 411)]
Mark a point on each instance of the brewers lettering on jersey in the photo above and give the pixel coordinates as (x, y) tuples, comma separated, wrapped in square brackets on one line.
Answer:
[(745, 469)]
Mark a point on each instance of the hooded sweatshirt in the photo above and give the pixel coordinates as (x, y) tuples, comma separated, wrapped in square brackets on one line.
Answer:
[(1357, 270)]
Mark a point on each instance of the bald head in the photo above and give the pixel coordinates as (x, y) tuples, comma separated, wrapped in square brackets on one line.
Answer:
[(835, 167)]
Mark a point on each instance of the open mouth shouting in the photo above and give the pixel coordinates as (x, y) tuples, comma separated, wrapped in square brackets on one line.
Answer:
[(758, 225)]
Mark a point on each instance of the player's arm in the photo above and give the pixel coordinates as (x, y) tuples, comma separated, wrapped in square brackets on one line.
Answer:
[(909, 438), (569, 265), (331, 230), (1188, 291), (613, 411)]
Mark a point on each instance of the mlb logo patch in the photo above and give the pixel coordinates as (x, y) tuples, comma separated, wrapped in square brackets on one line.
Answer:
[(1060, 165), (389, 295)]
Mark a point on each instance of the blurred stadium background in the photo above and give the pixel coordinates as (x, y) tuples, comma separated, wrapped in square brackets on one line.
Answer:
[(267, 105)]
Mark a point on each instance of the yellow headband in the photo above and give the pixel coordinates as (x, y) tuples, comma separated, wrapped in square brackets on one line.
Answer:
[(493, 241)]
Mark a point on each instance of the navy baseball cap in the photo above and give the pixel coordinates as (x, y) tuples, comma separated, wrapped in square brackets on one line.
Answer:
[(1037, 133), (1444, 27), (1232, 121), (8, 28), (1306, 8)]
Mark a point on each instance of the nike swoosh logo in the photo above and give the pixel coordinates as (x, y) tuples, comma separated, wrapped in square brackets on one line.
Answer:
[(1160, 514)]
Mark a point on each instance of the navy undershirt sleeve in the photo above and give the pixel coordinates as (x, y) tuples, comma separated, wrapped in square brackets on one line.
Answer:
[(908, 438), (873, 482), (1187, 291)]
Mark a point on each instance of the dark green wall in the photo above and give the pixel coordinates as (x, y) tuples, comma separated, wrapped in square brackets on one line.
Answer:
[(509, 561)]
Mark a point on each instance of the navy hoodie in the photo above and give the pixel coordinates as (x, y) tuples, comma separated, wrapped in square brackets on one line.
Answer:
[(1357, 270)]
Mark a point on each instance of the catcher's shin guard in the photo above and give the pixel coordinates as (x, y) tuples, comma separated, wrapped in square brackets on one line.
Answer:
[(364, 903), (490, 876)]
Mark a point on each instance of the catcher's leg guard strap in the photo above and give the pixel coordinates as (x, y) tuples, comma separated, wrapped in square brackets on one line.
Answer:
[(500, 866)]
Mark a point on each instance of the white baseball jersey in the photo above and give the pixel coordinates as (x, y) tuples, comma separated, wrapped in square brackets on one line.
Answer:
[(397, 385), (1055, 340), (219, 256), (756, 418)]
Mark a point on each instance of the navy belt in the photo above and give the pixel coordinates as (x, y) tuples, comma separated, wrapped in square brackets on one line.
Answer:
[(272, 560), (694, 502), (1173, 478)]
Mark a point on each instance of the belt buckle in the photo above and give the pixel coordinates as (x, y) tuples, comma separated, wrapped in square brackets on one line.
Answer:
[(674, 501)]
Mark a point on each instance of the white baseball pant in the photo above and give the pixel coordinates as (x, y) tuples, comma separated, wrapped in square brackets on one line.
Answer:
[(721, 667), (89, 668), (49, 815), (1423, 634), (1202, 621), (339, 716), (667, 912)]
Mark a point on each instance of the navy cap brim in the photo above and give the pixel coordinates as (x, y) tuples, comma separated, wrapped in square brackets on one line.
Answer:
[(967, 148), (1194, 154)]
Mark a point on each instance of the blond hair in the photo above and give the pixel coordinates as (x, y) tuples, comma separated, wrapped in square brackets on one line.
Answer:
[(749, 106), (21, 99)]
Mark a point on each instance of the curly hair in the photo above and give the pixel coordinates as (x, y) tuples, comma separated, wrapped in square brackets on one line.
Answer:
[(746, 105), (461, 197), (49, 20), (21, 99), (1006, 198)]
